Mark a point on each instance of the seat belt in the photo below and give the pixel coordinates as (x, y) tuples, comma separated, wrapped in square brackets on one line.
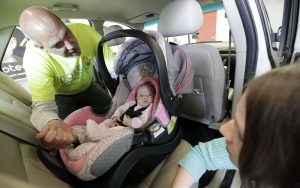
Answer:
[(19, 134), (228, 178)]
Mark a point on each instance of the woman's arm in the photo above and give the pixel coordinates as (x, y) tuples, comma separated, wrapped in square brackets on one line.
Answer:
[(211, 155), (182, 179)]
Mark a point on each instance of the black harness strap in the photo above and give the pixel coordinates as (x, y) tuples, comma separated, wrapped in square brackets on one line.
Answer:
[(132, 113)]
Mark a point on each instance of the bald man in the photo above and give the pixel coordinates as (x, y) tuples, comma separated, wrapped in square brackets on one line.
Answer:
[(58, 62)]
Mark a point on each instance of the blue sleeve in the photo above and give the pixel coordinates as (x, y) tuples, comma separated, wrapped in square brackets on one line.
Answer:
[(211, 155)]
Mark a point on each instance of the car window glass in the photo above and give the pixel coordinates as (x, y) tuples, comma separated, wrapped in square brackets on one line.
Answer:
[(215, 27), (12, 61), (108, 24)]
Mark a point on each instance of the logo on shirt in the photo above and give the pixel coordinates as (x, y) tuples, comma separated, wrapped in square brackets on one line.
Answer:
[(77, 72), (86, 61), (68, 78)]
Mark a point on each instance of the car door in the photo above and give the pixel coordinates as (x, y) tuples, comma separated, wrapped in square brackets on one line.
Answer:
[(265, 34)]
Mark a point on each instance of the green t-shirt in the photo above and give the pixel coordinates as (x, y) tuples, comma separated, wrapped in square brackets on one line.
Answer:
[(49, 74)]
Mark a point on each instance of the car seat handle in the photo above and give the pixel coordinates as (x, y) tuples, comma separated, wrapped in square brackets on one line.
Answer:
[(168, 96)]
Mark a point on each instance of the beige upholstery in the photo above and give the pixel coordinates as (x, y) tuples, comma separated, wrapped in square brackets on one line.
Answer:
[(8, 181), (14, 89), (164, 174), (19, 160)]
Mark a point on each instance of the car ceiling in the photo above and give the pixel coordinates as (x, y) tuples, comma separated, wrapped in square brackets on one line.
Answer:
[(129, 12)]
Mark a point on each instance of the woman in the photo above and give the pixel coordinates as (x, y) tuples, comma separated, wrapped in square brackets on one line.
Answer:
[(262, 140)]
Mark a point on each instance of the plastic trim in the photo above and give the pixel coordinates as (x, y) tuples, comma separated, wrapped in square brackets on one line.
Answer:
[(251, 38)]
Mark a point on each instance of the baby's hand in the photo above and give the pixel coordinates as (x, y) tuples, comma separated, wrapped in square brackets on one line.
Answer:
[(115, 121), (127, 121)]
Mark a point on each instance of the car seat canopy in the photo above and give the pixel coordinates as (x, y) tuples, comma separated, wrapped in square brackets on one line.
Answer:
[(135, 55)]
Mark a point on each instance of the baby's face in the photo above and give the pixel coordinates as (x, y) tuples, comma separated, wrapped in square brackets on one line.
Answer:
[(144, 96)]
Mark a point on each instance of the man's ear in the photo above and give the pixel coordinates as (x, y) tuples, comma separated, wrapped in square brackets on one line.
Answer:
[(34, 42)]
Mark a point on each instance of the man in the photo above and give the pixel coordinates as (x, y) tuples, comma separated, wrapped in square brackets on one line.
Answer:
[(59, 66)]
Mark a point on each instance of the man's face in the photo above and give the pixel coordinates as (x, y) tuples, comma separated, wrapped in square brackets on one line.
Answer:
[(61, 42)]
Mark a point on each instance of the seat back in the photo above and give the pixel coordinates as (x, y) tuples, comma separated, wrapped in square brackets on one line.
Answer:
[(114, 42), (15, 108), (18, 159), (206, 103)]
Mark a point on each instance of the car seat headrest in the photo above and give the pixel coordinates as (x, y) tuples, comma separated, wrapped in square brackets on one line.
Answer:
[(180, 17), (117, 41)]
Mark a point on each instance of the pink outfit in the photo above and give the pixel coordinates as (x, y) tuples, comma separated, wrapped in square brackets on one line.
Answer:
[(97, 132), (94, 132), (85, 136), (137, 122)]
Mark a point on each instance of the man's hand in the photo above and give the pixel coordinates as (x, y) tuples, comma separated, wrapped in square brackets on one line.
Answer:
[(57, 135), (127, 121), (115, 121)]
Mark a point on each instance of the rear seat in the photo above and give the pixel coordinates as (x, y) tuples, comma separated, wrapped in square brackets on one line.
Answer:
[(19, 162), (18, 159)]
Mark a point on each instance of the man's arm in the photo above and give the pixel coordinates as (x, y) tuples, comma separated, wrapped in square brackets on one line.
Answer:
[(204, 156), (54, 132)]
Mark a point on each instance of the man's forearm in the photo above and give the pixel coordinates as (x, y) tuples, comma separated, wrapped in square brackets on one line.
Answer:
[(42, 113)]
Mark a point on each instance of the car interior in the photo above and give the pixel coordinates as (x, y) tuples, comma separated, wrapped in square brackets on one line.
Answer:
[(216, 52)]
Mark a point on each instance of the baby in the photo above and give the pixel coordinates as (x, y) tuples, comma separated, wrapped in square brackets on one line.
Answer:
[(133, 114)]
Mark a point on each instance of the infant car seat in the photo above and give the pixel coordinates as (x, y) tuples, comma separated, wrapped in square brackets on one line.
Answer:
[(97, 157), (131, 156)]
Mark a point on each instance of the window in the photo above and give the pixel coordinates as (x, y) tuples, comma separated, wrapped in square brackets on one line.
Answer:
[(215, 27), (12, 60), (108, 24)]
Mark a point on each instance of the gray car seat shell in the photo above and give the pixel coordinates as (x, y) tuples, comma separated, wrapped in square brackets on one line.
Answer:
[(169, 98), (140, 160)]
